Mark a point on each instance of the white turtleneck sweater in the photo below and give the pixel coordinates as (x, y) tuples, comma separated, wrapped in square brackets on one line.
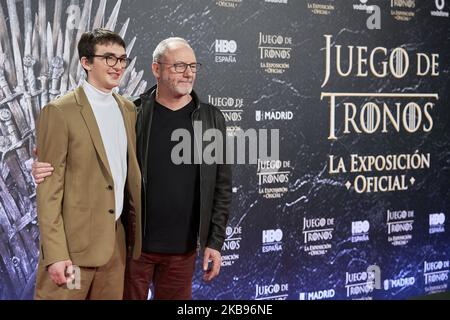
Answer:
[(110, 122)]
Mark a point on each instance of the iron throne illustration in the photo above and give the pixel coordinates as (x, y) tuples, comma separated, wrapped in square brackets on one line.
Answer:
[(38, 63)]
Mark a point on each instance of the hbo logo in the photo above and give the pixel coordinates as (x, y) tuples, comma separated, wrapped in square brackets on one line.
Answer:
[(226, 46), (437, 219), (270, 236), (360, 227)]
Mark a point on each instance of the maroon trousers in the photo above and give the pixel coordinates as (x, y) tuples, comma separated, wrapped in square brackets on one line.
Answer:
[(170, 274)]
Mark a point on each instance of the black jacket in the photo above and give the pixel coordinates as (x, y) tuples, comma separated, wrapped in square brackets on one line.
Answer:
[(215, 179)]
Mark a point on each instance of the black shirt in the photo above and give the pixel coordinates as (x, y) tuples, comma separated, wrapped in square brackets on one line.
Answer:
[(173, 194)]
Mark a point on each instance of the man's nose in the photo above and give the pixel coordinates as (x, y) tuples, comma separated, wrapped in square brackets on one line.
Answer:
[(118, 67), (188, 71)]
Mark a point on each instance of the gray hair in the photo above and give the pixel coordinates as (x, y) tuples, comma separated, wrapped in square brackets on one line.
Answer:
[(164, 45)]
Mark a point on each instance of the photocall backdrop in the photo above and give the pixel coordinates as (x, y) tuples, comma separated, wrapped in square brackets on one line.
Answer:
[(357, 204)]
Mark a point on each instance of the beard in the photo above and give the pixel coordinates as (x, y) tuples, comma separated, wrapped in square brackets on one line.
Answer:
[(183, 88)]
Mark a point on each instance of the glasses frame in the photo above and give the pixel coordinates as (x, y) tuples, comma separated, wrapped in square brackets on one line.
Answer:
[(127, 61), (178, 64)]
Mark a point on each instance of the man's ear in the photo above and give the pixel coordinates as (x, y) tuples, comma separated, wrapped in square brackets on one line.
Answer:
[(86, 64), (156, 70)]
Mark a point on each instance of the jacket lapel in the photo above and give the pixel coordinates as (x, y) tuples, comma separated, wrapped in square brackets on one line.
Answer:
[(126, 122), (91, 123)]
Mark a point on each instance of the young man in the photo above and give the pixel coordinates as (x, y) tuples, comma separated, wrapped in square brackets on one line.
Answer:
[(88, 136), (185, 206)]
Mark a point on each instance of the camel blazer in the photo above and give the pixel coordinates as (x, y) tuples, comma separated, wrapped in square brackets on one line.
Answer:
[(75, 205)]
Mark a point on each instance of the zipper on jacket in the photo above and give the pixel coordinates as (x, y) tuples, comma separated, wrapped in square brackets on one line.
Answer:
[(144, 204), (139, 121), (144, 156), (199, 187)]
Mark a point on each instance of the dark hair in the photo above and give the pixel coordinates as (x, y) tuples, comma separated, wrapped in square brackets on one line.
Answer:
[(88, 41)]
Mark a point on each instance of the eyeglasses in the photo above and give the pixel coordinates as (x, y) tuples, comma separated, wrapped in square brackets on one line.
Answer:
[(181, 67), (111, 60)]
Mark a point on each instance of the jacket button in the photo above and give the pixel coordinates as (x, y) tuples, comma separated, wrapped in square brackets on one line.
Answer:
[(111, 211), (110, 188)]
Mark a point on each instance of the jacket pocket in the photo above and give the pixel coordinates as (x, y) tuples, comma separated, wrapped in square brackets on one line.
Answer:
[(77, 225)]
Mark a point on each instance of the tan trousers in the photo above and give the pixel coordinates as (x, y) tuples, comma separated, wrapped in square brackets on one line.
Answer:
[(100, 283)]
